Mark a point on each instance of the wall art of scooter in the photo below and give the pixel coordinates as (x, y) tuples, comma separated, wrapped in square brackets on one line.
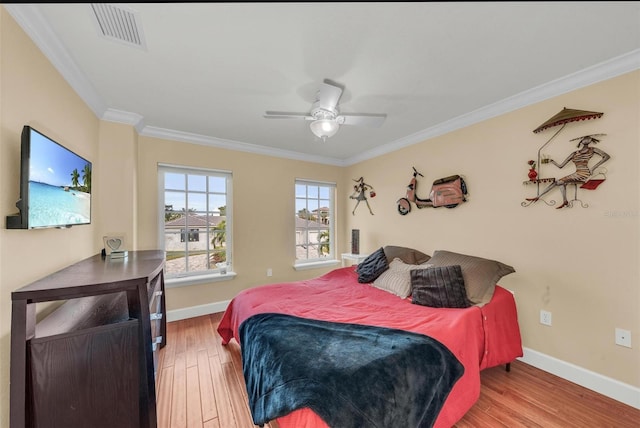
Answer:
[(446, 192)]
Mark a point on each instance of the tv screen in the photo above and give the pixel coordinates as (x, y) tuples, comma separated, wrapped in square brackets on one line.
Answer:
[(55, 185)]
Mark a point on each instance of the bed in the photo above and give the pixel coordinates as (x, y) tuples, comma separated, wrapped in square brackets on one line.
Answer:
[(480, 336)]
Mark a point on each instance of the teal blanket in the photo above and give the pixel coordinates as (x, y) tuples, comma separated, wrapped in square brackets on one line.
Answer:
[(350, 375)]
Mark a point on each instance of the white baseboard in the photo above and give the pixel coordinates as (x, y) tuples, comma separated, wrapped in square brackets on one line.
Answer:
[(196, 311), (606, 386)]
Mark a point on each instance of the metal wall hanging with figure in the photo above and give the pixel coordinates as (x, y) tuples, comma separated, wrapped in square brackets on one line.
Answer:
[(360, 190), (584, 176), (446, 192)]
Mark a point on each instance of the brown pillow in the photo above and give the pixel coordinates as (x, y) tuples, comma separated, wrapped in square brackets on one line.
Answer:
[(439, 287), (480, 275), (407, 255)]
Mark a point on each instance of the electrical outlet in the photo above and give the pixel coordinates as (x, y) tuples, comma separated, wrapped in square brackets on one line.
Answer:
[(545, 317), (269, 272), (623, 337)]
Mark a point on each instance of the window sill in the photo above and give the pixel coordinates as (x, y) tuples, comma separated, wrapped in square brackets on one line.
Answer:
[(186, 281), (316, 265)]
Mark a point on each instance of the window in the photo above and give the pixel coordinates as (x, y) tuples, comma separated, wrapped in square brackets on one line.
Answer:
[(192, 235), (314, 218), (195, 222)]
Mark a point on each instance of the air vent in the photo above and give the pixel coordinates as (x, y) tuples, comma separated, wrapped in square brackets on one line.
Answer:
[(119, 23)]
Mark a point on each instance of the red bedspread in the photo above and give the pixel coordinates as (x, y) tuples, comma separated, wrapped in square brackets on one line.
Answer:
[(479, 337)]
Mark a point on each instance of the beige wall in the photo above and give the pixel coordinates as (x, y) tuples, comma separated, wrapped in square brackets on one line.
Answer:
[(118, 160), (33, 93), (579, 263)]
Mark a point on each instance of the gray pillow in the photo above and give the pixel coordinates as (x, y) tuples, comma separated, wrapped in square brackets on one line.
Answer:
[(439, 287), (480, 275), (372, 267), (397, 279)]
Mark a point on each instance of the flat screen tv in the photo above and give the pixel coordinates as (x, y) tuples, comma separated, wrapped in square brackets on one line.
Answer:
[(55, 185)]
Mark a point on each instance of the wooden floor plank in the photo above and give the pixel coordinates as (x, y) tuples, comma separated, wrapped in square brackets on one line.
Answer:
[(180, 339), (197, 372), (221, 391), (221, 350), (169, 350), (236, 361), (208, 336), (237, 396), (213, 423), (179, 393), (192, 345), (207, 394), (194, 400), (164, 389)]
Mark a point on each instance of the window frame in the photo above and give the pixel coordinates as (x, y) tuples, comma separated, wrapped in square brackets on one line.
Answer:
[(332, 259), (192, 235), (211, 275)]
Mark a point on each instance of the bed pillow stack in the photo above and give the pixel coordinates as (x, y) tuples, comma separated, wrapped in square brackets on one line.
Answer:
[(444, 280), (378, 261)]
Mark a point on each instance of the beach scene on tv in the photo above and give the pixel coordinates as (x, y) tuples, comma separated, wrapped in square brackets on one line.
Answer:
[(59, 185)]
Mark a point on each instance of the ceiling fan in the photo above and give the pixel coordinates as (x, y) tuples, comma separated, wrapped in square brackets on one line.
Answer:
[(325, 114)]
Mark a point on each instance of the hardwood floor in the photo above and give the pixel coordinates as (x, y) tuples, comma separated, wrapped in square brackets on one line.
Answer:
[(200, 384)]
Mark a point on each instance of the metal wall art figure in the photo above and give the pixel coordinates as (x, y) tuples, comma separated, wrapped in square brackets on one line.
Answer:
[(584, 175), (360, 190), (583, 172)]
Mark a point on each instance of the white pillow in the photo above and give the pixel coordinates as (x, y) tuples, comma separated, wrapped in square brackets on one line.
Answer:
[(397, 279)]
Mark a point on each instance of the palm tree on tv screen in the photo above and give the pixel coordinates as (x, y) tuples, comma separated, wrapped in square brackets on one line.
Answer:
[(75, 177), (86, 177)]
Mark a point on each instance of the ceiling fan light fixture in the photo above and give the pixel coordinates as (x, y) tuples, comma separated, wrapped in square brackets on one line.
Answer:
[(325, 114), (324, 128)]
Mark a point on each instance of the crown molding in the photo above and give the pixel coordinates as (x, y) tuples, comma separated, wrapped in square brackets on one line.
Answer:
[(33, 23), (186, 137), (126, 117)]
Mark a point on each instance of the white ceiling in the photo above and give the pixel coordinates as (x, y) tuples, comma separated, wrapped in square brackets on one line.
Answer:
[(209, 71)]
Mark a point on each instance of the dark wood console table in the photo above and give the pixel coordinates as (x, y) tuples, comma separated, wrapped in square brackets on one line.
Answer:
[(91, 362)]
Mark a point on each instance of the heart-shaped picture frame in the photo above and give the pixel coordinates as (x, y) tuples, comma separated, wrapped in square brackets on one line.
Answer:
[(113, 243)]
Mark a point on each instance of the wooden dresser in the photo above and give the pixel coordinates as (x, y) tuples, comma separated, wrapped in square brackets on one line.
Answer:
[(91, 362)]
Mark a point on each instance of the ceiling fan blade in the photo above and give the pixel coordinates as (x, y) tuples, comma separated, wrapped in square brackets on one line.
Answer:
[(363, 119), (328, 96), (286, 115)]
